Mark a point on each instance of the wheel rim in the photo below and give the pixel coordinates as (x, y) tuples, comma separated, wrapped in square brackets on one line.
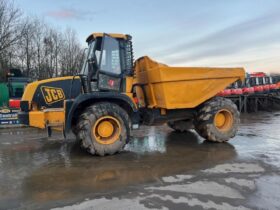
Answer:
[(223, 120), (106, 130)]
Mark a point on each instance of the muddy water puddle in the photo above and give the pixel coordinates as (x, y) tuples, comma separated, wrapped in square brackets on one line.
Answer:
[(40, 172)]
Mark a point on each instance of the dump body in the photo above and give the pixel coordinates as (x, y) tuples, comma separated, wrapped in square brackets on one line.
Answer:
[(181, 87)]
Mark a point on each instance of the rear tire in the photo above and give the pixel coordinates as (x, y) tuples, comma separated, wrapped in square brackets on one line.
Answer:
[(181, 125), (217, 120), (103, 129)]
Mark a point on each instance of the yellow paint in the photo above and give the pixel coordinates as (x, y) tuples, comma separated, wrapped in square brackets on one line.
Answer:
[(114, 35), (37, 119), (181, 87), (223, 120), (128, 90), (220, 119), (140, 96), (32, 87), (40, 119), (55, 116), (129, 84), (52, 94), (106, 130)]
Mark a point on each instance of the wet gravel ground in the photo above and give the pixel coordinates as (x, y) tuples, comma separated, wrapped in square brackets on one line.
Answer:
[(159, 169)]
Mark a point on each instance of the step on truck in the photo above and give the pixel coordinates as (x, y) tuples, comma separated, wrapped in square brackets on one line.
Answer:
[(113, 95)]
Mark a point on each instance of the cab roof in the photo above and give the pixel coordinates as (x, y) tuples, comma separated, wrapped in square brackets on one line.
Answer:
[(115, 35)]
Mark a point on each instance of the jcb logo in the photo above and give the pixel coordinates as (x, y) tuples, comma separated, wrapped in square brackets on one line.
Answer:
[(52, 94)]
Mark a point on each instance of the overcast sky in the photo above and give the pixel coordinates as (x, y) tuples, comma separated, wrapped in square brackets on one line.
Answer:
[(178, 32)]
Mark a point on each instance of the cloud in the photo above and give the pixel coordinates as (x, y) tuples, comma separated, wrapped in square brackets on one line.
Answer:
[(228, 48), (260, 31), (71, 13), (63, 14)]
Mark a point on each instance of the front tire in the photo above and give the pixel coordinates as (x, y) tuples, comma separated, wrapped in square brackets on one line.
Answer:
[(217, 120), (103, 129)]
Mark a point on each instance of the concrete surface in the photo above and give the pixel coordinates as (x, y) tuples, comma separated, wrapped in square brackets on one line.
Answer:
[(159, 169)]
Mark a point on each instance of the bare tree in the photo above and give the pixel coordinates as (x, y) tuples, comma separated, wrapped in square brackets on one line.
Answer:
[(26, 50), (32, 45), (52, 45), (39, 27), (71, 55), (56, 51), (10, 25)]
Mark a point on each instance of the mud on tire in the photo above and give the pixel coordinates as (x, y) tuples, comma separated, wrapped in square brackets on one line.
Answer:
[(205, 121), (87, 122)]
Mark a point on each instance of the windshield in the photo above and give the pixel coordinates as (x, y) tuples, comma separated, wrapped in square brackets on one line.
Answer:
[(109, 61), (88, 53)]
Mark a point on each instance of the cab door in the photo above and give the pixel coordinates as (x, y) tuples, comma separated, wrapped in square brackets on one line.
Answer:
[(110, 73)]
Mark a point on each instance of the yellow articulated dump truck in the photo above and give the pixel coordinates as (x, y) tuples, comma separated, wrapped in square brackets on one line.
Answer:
[(113, 95)]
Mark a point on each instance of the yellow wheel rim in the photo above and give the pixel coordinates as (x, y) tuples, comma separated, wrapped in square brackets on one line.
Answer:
[(106, 130), (223, 120)]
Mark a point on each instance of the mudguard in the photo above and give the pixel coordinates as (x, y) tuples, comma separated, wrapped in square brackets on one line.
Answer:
[(89, 98)]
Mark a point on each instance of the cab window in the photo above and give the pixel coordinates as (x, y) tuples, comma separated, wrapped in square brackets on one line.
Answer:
[(110, 57)]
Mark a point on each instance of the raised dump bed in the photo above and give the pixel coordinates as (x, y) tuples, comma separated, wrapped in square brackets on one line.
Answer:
[(180, 87)]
